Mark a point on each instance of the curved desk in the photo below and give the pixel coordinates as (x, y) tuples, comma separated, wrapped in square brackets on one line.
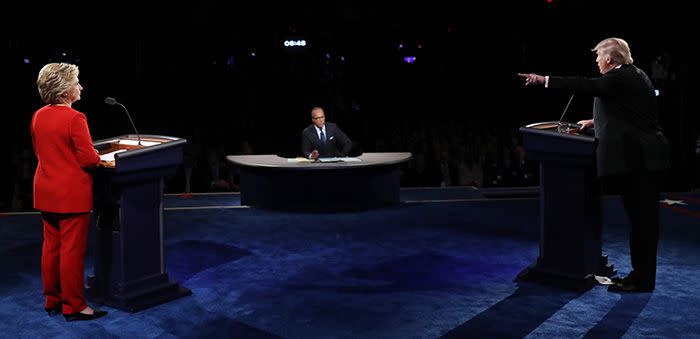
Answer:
[(272, 181)]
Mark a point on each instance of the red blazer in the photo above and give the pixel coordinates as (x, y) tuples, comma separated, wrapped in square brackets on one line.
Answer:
[(63, 146)]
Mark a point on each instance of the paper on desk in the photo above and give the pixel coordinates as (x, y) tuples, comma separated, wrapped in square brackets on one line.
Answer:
[(110, 156), (334, 159), (350, 159), (339, 159), (299, 159)]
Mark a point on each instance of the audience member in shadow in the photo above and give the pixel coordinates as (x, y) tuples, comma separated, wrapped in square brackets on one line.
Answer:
[(323, 139), (493, 171), (632, 152), (470, 171), (246, 148), (221, 177), (519, 173), (24, 166), (190, 156), (63, 190), (423, 170)]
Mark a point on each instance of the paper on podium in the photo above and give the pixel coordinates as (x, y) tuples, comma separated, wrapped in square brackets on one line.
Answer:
[(110, 156), (136, 142)]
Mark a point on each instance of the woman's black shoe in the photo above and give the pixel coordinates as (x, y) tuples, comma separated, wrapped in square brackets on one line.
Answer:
[(54, 310), (82, 316)]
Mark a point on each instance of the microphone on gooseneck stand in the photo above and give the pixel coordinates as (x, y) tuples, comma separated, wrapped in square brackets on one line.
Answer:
[(111, 101), (565, 127)]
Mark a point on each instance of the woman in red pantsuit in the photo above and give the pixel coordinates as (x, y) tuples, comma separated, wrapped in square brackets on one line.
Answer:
[(63, 190)]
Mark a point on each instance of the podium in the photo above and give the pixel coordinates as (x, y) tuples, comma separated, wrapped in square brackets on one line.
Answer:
[(570, 215), (129, 268)]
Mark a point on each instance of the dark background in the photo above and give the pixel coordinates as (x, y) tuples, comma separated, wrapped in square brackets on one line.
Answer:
[(217, 73)]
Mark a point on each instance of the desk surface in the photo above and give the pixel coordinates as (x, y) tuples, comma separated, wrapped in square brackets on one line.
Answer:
[(274, 161)]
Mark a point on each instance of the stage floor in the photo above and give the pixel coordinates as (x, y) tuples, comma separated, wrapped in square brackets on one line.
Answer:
[(441, 263)]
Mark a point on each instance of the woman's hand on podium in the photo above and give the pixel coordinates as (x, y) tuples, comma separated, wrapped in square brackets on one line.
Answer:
[(106, 164)]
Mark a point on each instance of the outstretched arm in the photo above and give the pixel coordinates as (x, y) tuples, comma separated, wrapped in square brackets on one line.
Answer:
[(533, 79), (606, 84)]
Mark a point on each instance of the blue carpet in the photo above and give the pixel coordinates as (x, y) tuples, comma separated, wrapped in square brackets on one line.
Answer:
[(202, 200), (433, 266), (407, 195)]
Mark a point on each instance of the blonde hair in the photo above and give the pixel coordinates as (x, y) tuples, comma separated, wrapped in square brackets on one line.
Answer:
[(617, 49), (54, 80)]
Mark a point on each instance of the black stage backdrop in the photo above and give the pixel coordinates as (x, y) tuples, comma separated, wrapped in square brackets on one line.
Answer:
[(220, 75)]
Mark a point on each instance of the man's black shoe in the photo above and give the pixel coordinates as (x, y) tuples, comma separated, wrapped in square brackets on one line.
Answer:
[(618, 280), (629, 287), (627, 279)]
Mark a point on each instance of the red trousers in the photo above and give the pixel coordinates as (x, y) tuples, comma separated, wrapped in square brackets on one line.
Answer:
[(62, 260)]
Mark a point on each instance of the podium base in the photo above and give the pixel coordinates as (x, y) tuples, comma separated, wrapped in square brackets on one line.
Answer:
[(538, 275), (582, 282), (138, 300), (605, 269)]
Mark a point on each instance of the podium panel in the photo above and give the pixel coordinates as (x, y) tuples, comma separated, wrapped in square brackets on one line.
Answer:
[(570, 217), (130, 271)]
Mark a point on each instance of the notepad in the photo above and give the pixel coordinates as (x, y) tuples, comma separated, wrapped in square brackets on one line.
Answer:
[(136, 142)]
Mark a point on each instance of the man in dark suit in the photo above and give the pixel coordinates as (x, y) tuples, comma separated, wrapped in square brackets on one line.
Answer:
[(632, 152), (323, 139)]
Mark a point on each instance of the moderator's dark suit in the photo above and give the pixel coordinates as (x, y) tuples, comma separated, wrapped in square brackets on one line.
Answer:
[(337, 143), (632, 153)]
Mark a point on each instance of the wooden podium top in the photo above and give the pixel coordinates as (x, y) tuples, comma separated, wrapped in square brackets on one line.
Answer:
[(560, 139), (112, 149), (557, 126), (559, 129)]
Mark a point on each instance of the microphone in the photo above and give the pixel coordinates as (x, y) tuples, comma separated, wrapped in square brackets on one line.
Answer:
[(566, 127), (111, 101)]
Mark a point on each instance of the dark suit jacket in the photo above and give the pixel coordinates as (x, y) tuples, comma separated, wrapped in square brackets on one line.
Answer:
[(626, 120), (337, 143)]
